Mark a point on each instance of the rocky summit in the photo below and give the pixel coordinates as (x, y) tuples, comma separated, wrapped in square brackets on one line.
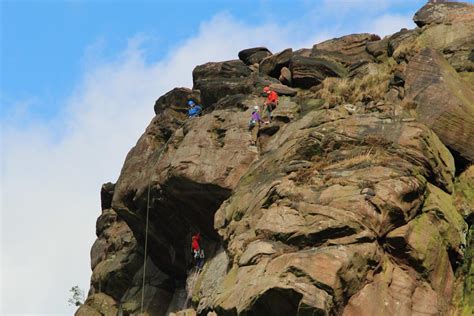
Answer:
[(356, 199)]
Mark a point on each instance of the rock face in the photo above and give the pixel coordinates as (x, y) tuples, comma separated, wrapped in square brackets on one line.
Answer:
[(448, 28), (347, 49), (443, 100), (340, 207)]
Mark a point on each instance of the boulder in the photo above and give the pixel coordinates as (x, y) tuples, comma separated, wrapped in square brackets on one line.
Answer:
[(310, 71), (219, 70), (449, 28), (254, 55), (220, 79), (402, 45), (176, 99), (273, 64), (285, 76), (441, 13), (443, 100), (347, 49)]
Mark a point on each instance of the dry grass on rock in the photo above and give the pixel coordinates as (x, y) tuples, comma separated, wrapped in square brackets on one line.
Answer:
[(372, 86)]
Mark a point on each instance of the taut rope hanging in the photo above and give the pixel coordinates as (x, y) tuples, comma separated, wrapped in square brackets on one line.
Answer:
[(147, 220)]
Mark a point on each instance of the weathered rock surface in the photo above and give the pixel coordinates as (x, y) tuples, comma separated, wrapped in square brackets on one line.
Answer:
[(309, 71), (464, 194), (273, 64), (116, 262), (354, 200), (285, 76), (443, 100), (347, 49), (448, 28), (254, 55), (176, 100), (325, 223), (441, 13), (187, 183), (217, 80)]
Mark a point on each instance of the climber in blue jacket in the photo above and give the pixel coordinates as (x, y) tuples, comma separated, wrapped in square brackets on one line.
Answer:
[(194, 109)]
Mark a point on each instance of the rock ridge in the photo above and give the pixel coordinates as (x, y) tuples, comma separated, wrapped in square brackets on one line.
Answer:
[(357, 199)]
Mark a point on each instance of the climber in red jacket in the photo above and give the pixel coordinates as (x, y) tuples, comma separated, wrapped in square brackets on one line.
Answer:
[(198, 253), (195, 243), (271, 102)]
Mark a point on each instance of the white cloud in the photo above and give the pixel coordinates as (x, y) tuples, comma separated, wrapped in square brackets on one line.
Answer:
[(389, 24), (50, 184)]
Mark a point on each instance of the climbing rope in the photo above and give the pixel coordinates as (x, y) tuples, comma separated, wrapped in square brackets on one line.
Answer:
[(165, 145), (146, 247), (204, 111)]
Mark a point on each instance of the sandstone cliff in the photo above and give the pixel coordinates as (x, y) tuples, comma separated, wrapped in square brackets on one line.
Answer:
[(357, 200)]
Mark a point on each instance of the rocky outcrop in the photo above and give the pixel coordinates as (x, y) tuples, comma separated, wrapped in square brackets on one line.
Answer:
[(347, 49), (331, 210), (254, 55), (448, 28), (441, 13), (443, 100), (309, 71), (217, 80), (355, 200), (116, 262), (186, 182), (273, 64)]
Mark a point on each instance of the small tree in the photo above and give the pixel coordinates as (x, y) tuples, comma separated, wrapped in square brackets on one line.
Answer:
[(77, 298)]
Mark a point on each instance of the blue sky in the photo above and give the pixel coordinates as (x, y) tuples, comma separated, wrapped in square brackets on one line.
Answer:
[(47, 44), (78, 84)]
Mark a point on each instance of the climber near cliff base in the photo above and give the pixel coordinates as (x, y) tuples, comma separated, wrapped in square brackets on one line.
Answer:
[(254, 124), (194, 109), (198, 253), (271, 102)]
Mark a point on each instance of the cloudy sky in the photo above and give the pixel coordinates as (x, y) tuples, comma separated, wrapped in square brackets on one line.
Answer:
[(78, 84)]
